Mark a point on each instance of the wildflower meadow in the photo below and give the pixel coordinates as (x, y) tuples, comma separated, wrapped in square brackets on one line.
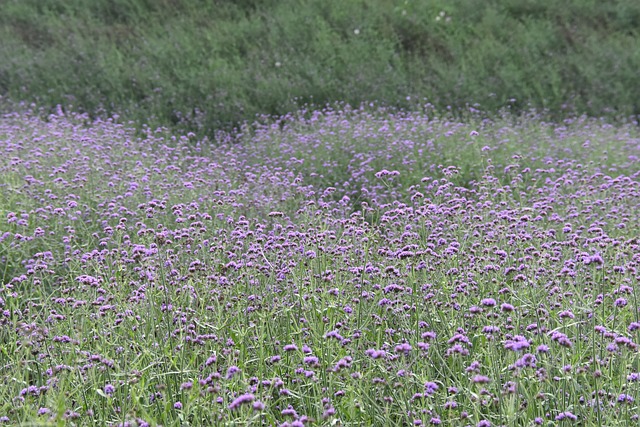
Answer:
[(342, 267)]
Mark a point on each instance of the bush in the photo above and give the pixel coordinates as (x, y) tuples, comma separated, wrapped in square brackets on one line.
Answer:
[(202, 65)]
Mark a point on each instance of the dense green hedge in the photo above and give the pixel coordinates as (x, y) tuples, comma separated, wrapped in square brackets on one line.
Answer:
[(202, 64)]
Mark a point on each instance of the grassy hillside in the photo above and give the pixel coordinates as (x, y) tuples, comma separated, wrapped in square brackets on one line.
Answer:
[(200, 64)]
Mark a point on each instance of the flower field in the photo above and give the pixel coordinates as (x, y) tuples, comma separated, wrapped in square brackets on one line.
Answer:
[(339, 267)]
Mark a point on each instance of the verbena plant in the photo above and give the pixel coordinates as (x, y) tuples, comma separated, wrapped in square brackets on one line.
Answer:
[(478, 273)]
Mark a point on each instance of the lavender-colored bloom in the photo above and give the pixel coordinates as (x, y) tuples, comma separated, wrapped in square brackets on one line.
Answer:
[(232, 371), (240, 400), (527, 360), (506, 307), (633, 377), (488, 302), (480, 379), (311, 360), (290, 347), (568, 415), (459, 338), (328, 412), (375, 354), (451, 404), (517, 343), (542, 349), (403, 348), (473, 367), (430, 388), (109, 389), (345, 362), (625, 398), (457, 349), (620, 302), (561, 339), (177, 405)]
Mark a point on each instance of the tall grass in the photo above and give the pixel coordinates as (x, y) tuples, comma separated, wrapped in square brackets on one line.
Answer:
[(201, 65)]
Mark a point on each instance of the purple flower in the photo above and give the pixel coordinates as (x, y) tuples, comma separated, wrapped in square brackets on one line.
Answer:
[(403, 348), (565, 314), (488, 302), (375, 354), (480, 379), (473, 367), (430, 388), (625, 398), (240, 400), (620, 302), (177, 405), (506, 307), (232, 371), (542, 348), (560, 338), (517, 343), (109, 389), (528, 360), (562, 415), (328, 412), (290, 347), (311, 360)]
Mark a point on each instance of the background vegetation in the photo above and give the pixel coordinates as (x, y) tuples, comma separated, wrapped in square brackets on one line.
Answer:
[(202, 64)]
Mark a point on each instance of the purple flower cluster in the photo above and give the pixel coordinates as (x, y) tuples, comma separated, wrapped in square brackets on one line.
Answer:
[(339, 267)]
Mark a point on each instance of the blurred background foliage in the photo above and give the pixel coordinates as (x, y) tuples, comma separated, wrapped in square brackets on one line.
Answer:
[(203, 65)]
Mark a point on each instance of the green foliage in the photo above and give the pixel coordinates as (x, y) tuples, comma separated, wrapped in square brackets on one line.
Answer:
[(201, 65)]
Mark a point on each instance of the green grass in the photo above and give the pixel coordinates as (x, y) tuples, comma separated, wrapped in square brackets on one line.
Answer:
[(201, 65)]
